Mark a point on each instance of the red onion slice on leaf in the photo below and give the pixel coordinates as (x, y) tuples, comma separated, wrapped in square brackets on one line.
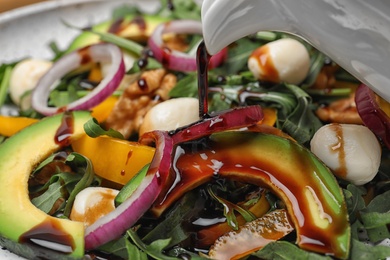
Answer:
[(102, 52), (372, 114), (176, 60), (114, 224)]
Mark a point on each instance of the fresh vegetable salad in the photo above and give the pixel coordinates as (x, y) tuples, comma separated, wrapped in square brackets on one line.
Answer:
[(134, 143)]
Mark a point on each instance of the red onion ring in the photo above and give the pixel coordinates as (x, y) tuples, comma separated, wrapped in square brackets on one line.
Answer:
[(102, 52), (114, 224), (176, 60), (372, 114), (228, 120)]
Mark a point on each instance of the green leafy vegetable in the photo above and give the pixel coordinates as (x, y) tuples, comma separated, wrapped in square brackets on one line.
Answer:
[(62, 186), (364, 251), (124, 249), (282, 250), (172, 225), (5, 75), (93, 129), (182, 9), (230, 209), (131, 186), (83, 166)]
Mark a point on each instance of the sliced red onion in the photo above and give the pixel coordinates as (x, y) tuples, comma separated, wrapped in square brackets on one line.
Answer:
[(102, 52), (233, 119), (176, 60), (114, 224), (372, 114)]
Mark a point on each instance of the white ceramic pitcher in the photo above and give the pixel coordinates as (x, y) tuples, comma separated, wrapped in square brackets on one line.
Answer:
[(354, 33)]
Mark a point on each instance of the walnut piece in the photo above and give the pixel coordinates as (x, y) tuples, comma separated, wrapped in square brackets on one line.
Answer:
[(151, 88), (340, 111)]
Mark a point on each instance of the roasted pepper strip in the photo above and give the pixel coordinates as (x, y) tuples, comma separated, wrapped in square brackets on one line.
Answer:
[(102, 111), (114, 159), (311, 193), (11, 125)]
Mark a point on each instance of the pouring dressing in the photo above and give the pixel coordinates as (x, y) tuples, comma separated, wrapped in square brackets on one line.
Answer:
[(354, 34)]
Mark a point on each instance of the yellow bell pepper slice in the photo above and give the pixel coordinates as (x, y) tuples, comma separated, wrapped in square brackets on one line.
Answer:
[(114, 159), (270, 116), (11, 125), (103, 110)]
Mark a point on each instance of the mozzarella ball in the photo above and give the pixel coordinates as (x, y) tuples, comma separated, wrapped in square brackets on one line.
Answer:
[(93, 203), (285, 60), (171, 114), (24, 77), (352, 152)]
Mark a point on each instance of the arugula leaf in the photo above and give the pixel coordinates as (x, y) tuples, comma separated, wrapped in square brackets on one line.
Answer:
[(124, 249), (171, 226), (181, 253), (355, 202), (238, 56), (93, 129), (151, 65), (282, 250), (87, 179), (5, 73), (185, 87), (126, 44), (183, 9), (316, 63), (63, 186), (154, 249), (59, 98), (230, 209), (301, 123), (376, 216), (124, 10), (360, 250), (131, 186), (54, 190)]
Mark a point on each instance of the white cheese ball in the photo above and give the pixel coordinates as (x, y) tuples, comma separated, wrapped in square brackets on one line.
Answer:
[(93, 203), (24, 77), (352, 152), (171, 114), (285, 60)]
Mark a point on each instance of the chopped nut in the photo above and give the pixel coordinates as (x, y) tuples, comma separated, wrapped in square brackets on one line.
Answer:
[(175, 42), (151, 88), (326, 78), (340, 111)]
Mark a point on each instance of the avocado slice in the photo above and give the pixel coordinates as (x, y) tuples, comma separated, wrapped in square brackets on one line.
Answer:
[(134, 27), (23, 226), (309, 190)]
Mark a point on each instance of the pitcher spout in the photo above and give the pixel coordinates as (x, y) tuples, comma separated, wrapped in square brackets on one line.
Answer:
[(353, 33), (227, 21)]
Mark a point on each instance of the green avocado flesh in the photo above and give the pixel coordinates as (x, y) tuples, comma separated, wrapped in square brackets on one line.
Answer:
[(137, 28), (309, 190), (22, 224)]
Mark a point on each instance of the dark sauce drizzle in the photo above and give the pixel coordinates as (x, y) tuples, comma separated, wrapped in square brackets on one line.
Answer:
[(202, 63), (143, 60), (65, 130), (170, 5)]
